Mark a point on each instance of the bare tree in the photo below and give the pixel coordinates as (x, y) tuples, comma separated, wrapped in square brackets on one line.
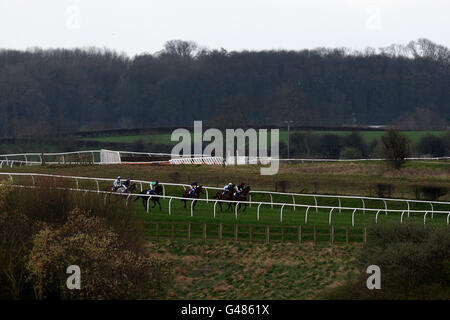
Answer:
[(181, 48), (395, 147)]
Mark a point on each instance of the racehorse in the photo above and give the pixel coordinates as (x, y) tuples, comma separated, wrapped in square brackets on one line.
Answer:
[(130, 189), (196, 195), (158, 191), (242, 197), (227, 196)]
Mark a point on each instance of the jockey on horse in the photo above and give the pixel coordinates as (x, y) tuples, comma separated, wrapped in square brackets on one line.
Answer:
[(227, 188), (153, 186), (193, 186), (155, 189), (116, 184), (238, 190), (193, 192)]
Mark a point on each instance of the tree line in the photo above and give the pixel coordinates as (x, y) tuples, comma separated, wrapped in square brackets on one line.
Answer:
[(354, 146), (59, 91)]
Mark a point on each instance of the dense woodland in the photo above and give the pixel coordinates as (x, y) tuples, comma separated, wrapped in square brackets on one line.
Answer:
[(52, 92)]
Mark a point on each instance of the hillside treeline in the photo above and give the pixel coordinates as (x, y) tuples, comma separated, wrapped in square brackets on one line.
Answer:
[(51, 92)]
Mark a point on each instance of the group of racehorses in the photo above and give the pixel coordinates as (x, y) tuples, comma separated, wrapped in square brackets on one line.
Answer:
[(229, 195)]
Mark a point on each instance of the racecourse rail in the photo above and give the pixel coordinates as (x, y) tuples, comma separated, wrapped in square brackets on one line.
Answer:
[(258, 203), (90, 157)]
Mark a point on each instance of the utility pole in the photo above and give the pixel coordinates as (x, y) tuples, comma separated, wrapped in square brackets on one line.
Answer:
[(288, 122)]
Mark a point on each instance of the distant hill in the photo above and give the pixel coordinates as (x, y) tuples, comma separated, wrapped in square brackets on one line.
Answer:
[(52, 92)]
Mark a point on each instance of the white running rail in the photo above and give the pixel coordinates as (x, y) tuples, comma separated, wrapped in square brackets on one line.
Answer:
[(237, 203), (207, 189)]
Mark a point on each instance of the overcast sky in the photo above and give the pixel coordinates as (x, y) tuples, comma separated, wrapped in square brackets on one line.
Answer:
[(135, 27)]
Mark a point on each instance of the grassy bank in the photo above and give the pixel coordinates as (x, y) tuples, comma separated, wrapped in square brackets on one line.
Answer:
[(254, 271), (350, 178)]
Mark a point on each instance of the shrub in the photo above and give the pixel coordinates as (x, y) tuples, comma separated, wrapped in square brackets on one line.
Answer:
[(52, 205), (108, 269), (384, 190), (430, 192), (414, 263), (395, 147), (350, 153), (431, 145), (355, 140), (43, 229), (16, 232)]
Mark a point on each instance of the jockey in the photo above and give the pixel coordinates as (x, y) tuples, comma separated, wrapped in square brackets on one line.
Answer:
[(238, 189), (227, 188), (126, 185), (117, 184), (194, 186), (152, 189)]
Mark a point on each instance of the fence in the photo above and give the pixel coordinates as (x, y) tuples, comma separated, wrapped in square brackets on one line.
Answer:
[(237, 203), (315, 197), (104, 156), (253, 233)]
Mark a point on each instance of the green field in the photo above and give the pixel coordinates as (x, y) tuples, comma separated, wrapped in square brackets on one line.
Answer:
[(252, 268), (333, 179), (269, 215), (164, 138)]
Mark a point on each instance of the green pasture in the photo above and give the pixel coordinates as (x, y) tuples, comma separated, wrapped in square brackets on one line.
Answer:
[(164, 138), (268, 214)]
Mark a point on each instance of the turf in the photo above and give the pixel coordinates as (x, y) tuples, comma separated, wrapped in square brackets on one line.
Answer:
[(165, 138)]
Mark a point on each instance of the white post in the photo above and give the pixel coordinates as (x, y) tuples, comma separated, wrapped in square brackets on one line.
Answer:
[(164, 190), (192, 208), (271, 200), (281, 213), (315, 200), (339, 199), (293, 201), (385, 206), (329, 218), (306, 215), (215, 203), (257, 211), (407, 202), (170, 208), (207, 198), (126, 202), (148, 204), (425, 217), (376, 216), (448, 217), (432, 210), (98, 187), (401, 217), (236, 209), (353, 217), (364, 206)]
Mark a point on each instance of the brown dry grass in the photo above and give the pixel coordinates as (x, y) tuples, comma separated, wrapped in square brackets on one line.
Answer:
[(254, 271)]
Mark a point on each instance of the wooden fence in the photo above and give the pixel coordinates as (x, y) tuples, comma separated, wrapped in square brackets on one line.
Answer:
[(190, 231)]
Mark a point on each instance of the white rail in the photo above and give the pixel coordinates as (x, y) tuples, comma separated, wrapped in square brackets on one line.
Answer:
[(316, 205), (25, 158), (282, 205)]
